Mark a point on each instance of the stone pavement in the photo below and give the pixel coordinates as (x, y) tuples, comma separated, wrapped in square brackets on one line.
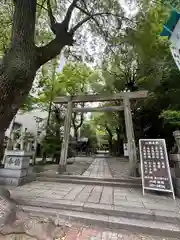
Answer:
[(102, 199), (98, 169), (81, 194), (101, 196)]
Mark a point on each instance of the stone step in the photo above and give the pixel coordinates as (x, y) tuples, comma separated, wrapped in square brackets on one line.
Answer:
[(123, 184), (80, 177), (134, 225), (130, 212)]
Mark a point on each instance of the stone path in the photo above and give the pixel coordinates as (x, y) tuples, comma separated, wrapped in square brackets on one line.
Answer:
[(81, 194), (105, 198), (98, 196), (98, 169)]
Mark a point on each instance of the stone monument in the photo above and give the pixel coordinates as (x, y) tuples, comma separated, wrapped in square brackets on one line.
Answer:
[(16, 169), (175, 158)]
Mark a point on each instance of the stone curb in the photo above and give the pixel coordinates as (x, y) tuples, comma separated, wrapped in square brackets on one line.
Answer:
[(132, 225), (108, 210), (90, 182), (127, 179)]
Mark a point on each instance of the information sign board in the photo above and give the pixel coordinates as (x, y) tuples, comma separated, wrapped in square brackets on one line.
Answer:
[(155, 165)]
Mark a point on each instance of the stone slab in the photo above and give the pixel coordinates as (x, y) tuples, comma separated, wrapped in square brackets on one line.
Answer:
[(95, 194), (129, 203), (18, 153), (132, 225), (159, 206), (177, 191), (74, 192), (14, 173), (16, 181), (107, 196)]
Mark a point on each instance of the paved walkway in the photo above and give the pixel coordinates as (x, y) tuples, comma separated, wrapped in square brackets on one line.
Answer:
[(97, 197), (82, 194), (94, 196), (98, 169)]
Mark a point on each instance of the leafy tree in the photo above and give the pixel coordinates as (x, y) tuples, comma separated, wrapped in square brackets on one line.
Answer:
[(135, 66), (25, 53), (88, 131), (51, 143), (76, 79), (171, 117)]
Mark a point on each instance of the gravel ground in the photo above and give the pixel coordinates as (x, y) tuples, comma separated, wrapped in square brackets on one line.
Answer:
[(118, 167), (77, 167)]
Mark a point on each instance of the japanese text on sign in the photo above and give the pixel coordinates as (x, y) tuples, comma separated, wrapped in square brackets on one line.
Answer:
[(154, 165)]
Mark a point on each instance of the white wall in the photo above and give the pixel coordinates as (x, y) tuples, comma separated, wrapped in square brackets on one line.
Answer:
[(28, 120)]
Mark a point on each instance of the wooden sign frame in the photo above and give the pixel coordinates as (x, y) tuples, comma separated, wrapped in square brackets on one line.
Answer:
[(171, 190)]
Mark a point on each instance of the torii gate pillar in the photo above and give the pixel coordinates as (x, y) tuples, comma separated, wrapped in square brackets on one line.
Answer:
[(130, 136), (65, 143)]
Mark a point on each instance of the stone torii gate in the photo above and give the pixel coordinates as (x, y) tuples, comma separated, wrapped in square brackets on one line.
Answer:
[(125, 96)]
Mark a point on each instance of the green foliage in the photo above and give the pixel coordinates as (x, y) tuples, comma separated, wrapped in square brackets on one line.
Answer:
[(171, 117), (88, 131), (29, 103), (75, 79), (51, 143)]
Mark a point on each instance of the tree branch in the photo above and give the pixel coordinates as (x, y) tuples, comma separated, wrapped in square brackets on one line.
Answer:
[(63, 37), (51, 16), (88, 14), (69, 14), (91, 16)]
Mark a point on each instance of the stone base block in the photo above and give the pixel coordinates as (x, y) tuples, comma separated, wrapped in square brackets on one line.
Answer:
[(16, 173), (177, 192), (177, 172), (16, 181), (177, 182), (61, 169)]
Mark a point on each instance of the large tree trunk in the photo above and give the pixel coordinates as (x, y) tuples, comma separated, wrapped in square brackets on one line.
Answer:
[(19, 65)]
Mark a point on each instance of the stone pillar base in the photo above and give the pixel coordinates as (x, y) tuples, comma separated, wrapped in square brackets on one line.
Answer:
[(61, 169), (16, 170)]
